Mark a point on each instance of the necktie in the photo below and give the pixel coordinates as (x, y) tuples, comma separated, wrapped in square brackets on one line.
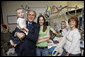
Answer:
[(29, 26)]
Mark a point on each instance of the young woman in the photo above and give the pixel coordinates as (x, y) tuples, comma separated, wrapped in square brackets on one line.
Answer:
[(72, 45), (44, 35)]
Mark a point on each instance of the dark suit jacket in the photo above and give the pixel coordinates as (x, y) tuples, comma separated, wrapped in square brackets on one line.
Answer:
[(28, 45)]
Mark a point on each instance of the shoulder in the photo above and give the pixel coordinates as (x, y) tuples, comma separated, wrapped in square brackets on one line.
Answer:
[(76, 31), (34, 23), (48, 27), (18, 18)]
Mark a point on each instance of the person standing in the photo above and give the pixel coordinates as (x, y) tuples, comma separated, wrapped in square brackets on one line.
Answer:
[(44, 35), (28, 45), (72, 45)]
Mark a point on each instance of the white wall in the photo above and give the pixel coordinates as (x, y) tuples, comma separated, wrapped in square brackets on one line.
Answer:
[(9, 7)]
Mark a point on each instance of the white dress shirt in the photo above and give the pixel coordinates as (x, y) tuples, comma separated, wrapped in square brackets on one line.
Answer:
[(72, 44)]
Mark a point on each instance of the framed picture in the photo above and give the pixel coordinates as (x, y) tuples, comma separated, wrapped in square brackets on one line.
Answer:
[(12, 19)]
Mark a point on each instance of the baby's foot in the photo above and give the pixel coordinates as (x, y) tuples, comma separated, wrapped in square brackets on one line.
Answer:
[(11, 42)]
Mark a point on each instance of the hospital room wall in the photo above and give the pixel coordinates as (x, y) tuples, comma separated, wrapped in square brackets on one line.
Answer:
[(9, 7)]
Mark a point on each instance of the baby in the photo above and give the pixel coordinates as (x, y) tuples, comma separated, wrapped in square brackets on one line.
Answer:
[(21, 21), (21, 25)]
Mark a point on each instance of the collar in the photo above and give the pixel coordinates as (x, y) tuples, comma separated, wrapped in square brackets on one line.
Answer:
[(29, 22)]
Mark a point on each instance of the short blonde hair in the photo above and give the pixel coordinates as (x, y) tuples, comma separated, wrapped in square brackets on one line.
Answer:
[(19, 9)]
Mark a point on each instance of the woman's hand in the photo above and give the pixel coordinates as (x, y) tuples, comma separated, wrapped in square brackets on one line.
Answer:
[(43, 39)]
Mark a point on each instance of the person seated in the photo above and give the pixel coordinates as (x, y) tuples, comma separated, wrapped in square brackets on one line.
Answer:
[(61, 33)]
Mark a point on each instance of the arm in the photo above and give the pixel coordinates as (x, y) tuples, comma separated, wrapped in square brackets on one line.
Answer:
[(45, 38), (20, 35), (52, 30), (76, 37), (17, 33), (56, 33)]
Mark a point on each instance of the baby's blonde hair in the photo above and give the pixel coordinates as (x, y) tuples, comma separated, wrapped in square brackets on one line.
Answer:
[(19, 9)]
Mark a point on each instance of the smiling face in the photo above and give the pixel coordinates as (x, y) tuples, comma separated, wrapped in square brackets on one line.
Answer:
[(63, 25), (20, 13), (31, 16), (72, 23), (41, 21)]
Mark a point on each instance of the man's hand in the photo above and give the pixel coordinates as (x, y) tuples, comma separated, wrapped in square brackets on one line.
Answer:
[(20, 35)]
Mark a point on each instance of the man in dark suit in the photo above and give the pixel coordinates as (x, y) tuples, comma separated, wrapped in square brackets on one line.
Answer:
[(27, 47)]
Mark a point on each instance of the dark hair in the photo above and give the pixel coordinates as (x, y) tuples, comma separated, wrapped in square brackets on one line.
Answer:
[(44, 24), (75, 19)]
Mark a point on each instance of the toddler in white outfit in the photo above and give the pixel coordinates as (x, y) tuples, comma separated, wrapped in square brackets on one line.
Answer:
[(21, 25)]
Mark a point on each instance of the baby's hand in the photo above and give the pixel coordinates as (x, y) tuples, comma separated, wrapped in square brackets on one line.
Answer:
[(27, 30)]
